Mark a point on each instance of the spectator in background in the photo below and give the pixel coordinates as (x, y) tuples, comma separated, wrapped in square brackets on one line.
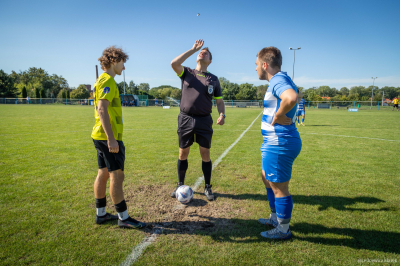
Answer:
[(27, 99), (155, 102)]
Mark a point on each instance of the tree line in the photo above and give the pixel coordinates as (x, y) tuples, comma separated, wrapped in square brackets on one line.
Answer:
[(356, 93), (34, 82), (37, 83)]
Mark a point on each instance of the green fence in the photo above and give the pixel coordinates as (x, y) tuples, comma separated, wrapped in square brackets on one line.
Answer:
[(361, 105)]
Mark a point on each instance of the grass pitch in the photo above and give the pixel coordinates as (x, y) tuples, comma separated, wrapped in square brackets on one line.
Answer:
[(345, 186)]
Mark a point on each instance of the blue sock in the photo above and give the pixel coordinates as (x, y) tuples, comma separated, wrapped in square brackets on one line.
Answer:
[(271, 199), (302, 120), (284, 207)]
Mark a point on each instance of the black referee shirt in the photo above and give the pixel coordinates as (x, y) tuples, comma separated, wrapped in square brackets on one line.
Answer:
[(198, 89)]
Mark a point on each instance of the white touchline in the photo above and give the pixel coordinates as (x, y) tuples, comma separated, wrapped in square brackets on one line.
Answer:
[(138, 250)]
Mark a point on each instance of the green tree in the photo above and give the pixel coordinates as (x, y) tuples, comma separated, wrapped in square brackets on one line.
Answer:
[(39, 78), (261, 90), (229, 89), (24, 92), (68, 94), (360, 91), (326, 91), (176, 94), (42, 93), (344, 98), (7, 87), (391, 92), (121, 87), (132, 88), (37, 93), (344, 91), (144, 87), (354, 97), (80, 93), (246, 92), (62, 94)]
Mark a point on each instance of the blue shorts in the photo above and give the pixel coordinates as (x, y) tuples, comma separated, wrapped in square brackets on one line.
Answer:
[(300, 113), (277, 160)]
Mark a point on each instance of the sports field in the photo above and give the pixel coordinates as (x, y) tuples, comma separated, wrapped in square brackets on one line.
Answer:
[(345, 188)]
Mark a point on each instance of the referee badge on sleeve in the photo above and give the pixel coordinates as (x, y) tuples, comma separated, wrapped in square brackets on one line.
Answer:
[(210, 89)]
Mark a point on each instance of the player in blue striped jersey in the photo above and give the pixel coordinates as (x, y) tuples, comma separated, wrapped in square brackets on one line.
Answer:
[(281, 143), (301, 112)]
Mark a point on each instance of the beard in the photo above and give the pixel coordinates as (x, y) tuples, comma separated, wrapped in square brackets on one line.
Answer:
[(263, 75)]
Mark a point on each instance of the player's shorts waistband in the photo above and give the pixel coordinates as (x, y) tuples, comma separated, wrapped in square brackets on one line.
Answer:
[(195, 114)]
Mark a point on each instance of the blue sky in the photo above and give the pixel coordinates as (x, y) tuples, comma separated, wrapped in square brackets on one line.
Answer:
[(343, 43)]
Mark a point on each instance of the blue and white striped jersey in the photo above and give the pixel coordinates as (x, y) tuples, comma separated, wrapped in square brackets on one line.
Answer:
[(275, 134), (300, 106)]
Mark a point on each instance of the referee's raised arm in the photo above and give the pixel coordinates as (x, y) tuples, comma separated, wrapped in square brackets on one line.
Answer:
[(176, 64)]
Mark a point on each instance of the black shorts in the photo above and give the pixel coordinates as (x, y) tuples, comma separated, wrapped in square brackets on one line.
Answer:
[(113, 161), (396, 105), (194, 128)]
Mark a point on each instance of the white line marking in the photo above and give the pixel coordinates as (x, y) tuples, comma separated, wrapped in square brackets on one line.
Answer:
[(345, 136), (138, 250)]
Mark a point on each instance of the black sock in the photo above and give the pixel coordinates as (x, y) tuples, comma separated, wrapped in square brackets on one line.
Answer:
[(101, 207), (207, 168), (101, 203), (121, 207), (182, 167)]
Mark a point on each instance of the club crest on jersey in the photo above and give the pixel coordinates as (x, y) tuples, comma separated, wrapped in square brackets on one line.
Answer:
[(106, 90), (210, 89)]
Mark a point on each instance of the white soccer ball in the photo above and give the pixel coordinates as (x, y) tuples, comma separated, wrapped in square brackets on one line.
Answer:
[(184, 194)]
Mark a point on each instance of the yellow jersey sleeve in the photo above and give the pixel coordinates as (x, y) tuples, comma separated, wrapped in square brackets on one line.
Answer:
[(107, 90)]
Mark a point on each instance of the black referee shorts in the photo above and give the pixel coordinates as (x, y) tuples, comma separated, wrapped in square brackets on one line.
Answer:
[(194, 128), (113, 161)]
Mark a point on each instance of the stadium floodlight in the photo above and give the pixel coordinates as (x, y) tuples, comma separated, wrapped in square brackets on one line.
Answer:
[(373, 87), (294, 58)]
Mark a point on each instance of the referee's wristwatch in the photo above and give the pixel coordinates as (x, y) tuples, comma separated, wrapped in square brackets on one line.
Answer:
[(223, 115)]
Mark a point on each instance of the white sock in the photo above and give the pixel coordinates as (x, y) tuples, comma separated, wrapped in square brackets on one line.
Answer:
[(283, 228), (273, 217), (101, 211), (123, 215)]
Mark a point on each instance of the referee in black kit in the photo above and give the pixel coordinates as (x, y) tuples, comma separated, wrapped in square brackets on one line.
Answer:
[(194, 121)]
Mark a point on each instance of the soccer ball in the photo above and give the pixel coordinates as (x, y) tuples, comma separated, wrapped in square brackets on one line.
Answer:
[(184, 194)]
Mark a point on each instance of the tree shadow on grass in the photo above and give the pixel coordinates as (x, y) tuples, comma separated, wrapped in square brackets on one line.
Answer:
[(324, 202), (355, 238)]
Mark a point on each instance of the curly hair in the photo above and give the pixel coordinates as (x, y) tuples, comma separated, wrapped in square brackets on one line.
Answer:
[(111, 55), (271, 55)]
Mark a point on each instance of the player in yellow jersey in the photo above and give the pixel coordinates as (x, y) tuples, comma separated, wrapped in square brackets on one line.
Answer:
[(107, 138), (395, 104)]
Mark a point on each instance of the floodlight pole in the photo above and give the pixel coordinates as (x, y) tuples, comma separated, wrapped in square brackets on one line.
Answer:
[(294, 58), (373, 87), (124, 82)]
